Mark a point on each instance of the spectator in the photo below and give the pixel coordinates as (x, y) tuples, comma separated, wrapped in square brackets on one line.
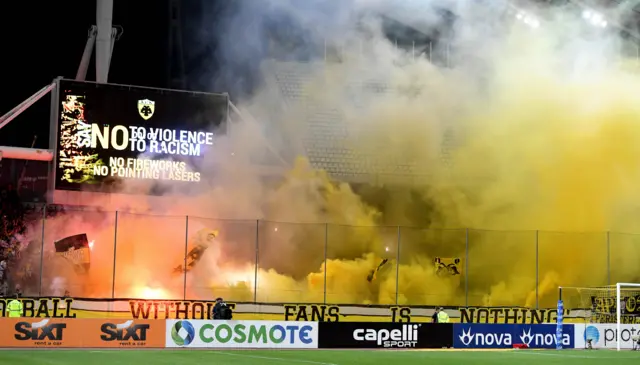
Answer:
[(4, 289), (14, 307), (443, 317), (221, 310), (18, 291)]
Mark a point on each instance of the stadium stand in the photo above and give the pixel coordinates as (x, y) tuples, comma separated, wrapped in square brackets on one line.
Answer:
[(327, 137), (12, 225)]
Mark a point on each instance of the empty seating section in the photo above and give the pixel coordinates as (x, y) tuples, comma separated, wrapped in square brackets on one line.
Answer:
[(328, 137)]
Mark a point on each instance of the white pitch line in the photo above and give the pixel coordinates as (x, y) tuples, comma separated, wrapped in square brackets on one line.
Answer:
[(274, 358), (557, 355), (538, 353)]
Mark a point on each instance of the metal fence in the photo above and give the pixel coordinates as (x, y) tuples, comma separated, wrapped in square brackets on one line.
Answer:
[(261, 261), (445, 54)]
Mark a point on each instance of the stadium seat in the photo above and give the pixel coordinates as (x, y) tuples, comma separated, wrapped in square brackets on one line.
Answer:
[(326, 133)]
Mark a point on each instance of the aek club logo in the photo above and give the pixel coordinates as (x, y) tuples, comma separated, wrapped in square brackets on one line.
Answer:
[(146, 108), (183, 333)]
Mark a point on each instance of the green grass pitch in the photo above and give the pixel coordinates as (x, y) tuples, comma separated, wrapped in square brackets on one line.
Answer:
[(315, 357)]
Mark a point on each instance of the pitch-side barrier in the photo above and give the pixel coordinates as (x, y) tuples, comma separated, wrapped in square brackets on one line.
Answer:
[(241, 334)]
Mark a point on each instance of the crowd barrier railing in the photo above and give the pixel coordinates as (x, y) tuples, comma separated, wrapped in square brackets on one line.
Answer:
[(472, 257), (109, 333)]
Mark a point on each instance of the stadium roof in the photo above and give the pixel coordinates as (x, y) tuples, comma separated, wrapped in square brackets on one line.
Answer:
[(422, 15)]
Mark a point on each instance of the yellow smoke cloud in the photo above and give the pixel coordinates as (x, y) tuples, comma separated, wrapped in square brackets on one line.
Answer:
[(540, 161)]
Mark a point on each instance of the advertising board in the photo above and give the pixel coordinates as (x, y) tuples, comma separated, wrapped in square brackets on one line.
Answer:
[(241, 334), (38, 332), (363, 335), (605, 336), (537, 336), (108, 134), (81, 333)]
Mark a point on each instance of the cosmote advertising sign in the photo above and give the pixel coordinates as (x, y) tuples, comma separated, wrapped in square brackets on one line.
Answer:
[(110, 133)]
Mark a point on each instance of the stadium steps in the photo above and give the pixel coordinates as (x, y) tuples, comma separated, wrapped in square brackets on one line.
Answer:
[(326, 135)]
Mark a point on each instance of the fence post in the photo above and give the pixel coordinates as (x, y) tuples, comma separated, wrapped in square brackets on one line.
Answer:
[(398, 267), (608, 259), (325, 50), (326, 248), (537, 270), (115, 251), (186, 245), (255, 274), (413, 51), (466, 266), (44, 218)]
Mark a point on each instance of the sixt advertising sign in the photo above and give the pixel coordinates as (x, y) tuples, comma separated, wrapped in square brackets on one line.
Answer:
[(81, 333), (539, 336), (132, 333), (241, 334), (42, 333)]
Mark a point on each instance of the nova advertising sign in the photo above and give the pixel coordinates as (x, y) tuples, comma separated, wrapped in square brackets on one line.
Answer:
[(537, 336), (241, 334)]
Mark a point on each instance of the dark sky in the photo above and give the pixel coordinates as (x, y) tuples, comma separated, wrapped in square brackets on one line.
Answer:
[(43, 40)]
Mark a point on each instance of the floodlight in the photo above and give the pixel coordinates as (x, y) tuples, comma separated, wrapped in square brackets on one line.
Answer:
[(594, 18), (598, 21), (527, 19)]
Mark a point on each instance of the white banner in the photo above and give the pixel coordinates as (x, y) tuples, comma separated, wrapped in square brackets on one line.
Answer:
[(605, 335), (242, 334)]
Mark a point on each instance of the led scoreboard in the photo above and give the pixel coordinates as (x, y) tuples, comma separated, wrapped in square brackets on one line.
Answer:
[(107, 134)]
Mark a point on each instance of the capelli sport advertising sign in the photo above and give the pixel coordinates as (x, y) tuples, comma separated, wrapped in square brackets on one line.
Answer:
[(241, 334)]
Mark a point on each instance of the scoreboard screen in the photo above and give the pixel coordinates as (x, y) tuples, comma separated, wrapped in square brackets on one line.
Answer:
[(108, 134)]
